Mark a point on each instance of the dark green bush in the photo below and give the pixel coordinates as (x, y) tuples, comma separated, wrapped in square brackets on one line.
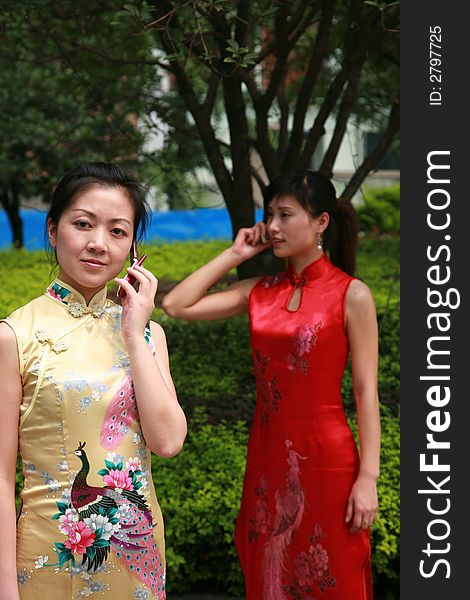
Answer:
[(211, 364), (380, 211), (199, 491)]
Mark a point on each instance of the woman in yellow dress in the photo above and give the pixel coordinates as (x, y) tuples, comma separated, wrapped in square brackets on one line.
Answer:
[(87, 393)]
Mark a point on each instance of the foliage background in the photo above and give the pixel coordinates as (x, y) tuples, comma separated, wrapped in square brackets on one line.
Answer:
[(199, 490)]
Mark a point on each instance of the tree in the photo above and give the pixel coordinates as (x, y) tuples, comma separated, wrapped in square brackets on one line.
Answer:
[(57, 112), (270, 61), (263, 64)]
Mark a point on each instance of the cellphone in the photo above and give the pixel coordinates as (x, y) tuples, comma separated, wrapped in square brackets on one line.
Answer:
[(133, 260)]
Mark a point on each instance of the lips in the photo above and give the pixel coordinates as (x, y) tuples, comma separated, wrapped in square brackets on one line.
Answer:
[(92, 262)]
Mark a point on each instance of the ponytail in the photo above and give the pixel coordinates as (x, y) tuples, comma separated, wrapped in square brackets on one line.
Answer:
[(342, 241)]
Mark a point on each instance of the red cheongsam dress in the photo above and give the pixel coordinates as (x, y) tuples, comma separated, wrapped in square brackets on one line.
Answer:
[(291, 536)]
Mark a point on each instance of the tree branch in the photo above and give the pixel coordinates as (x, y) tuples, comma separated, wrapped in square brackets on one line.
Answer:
[(342, 118), (358, 41), (283, 125), (373, 158), (310, 79)]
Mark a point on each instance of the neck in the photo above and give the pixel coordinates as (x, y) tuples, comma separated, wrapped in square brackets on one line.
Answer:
[(85, 467), (300, 261)]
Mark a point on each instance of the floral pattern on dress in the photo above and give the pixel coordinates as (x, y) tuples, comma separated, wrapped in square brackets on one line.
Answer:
[(270, 394), (304, 339), (115, 517), (259, 520), (312, 571), (271, 280), (311, 567), (86, 534)]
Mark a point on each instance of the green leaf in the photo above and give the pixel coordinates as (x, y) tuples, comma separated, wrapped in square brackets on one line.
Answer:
[(111, 466), (103, 472), (62, 507), (101, 543)]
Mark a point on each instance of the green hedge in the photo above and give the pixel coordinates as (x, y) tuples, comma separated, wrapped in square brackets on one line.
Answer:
[(211, 364), (199, 491), (380, 210)]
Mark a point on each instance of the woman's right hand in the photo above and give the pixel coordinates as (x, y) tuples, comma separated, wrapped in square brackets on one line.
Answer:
[(250, 241)]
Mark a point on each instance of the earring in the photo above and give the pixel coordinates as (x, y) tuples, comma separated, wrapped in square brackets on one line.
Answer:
[(319, 241)]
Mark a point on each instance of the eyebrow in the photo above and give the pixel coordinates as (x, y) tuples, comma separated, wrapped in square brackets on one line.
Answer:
[(91, 214), (281, 207)]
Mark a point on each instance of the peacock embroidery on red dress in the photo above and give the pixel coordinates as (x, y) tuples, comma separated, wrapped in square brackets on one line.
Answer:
[(114, 517), (311, 567)]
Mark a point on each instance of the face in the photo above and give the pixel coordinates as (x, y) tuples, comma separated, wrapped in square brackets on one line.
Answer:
[(292, 229), (92, 238)]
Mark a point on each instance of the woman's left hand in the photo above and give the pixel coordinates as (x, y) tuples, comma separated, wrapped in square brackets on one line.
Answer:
[(137, 306), (362, 504)]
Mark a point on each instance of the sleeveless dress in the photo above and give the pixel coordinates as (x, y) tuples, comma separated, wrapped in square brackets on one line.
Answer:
[(90, 524), (291, 536)]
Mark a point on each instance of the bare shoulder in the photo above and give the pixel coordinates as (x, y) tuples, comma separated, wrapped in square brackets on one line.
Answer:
[(9, 350), (158, 333), (359, 298), (7, 338)]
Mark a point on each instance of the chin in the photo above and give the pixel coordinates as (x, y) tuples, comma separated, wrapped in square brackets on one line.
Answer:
[(281, 252)]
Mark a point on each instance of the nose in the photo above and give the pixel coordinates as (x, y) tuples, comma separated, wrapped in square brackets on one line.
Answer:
[(272, 225), (97, 242)]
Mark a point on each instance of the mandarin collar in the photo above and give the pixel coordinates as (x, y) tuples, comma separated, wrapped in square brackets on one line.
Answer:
[(74, 300), (312, 271)]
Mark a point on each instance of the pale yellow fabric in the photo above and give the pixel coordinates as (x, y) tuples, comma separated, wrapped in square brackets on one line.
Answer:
[(72, 367)]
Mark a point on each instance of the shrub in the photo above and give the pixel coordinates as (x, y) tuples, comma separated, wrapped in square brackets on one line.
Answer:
[(199, 491), (380, 211)]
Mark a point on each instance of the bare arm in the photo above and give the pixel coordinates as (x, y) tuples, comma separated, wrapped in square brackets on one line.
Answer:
[(189, 299), (162, 418), (11, 393), (361, 323)]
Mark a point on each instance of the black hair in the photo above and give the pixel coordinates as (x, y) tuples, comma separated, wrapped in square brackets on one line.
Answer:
[(316, 194), (100, 174)]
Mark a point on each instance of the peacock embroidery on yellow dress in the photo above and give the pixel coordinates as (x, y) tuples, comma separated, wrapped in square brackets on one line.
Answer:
[(90, 522)]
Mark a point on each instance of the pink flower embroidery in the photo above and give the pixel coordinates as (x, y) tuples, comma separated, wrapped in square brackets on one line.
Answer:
[(259, 520), (80, 538), (133, 464), (68, 521), (306, 338), (118, 479), (272, 280), (311, 569)]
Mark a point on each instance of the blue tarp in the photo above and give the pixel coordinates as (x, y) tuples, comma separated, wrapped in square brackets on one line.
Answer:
[(175, 225)]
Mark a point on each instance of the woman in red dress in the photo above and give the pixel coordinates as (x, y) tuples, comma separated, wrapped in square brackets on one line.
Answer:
[(308, 497)]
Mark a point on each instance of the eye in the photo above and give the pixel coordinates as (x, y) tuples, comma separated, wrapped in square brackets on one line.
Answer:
[(118, 231), (82, 224)]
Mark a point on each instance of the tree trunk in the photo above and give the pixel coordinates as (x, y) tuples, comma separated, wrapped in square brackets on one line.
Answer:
[(11, 205)]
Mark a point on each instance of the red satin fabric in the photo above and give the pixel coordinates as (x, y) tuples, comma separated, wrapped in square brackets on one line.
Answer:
[(291, 536)]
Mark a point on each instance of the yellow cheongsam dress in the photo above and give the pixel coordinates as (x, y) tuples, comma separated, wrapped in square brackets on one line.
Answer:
[(90, 524)]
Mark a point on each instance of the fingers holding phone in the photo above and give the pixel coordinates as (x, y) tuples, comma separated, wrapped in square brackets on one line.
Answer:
[(137, 303), (129, 277)]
